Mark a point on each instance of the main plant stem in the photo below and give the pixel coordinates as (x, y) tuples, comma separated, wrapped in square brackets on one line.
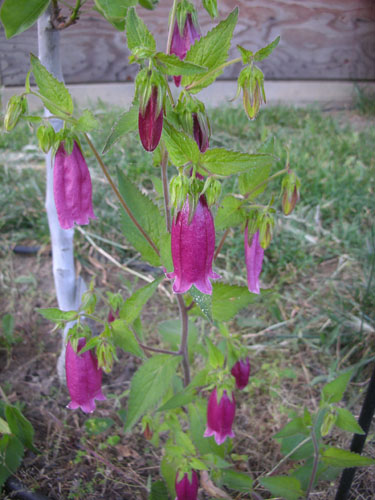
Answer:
[(315, 463), (184, 338)]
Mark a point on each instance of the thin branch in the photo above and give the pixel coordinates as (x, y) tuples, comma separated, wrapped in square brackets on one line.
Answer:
[(315, 463), (212, 72), (223, 238), (154, 349), (184, 338), (120, 198), (74, 16)]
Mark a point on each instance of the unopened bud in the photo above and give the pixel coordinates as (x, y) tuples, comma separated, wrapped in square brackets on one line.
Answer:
[(251, 81), (328, 422), (16, 107), (148, 432), (46, 137), (290, 188), (212, 190), (179, 187), (105, 355), (265, 230)]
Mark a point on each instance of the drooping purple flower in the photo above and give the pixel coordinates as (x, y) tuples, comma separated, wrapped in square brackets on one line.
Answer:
[(83, 378), (241, 372), (254, 260), (150, 122), (181, 42), (201, 132), (113, 315), (186, 490), (193, 247), (72, 188), (220, 417)]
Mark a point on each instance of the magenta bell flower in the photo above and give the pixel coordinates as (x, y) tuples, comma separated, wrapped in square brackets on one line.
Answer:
[(220, 417), (83, 378), (150, 123), (72, 188), (201, 133), (254, 259), (181, 42), (193, 247), (241, 372), (185, 489)]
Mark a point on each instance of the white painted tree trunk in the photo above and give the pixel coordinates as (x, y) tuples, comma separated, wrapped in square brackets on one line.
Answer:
[(68, 289)]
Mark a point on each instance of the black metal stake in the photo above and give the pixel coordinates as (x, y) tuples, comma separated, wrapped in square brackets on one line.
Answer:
[(367, 413)]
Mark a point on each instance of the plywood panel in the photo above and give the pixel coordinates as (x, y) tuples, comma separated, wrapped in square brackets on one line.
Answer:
[(320, 39)]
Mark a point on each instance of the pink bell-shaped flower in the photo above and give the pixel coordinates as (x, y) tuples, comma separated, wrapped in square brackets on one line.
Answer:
[(241, 372), (181, 42), (72, 188), (220, 417), (83, 378), (150, 123), (193, 247), (254, 260), (186, 490)]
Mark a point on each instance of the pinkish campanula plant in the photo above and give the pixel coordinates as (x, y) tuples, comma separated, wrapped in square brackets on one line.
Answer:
[(220, 416), (254, 254), (187, 489), (241, 372)]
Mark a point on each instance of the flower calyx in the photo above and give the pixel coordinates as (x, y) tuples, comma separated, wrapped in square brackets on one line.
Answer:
[(290, 188)]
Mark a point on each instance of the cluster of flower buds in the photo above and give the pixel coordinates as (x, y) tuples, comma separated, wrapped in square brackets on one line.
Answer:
[(251, 81), (187, 485), (150, 88), (83, 377), (185, 32), (193, 118), (290, 192), (193, 246), (72, 187)]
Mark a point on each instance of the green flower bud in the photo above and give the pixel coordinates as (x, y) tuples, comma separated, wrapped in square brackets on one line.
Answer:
[(17, 105), (290, 190), (46, 137), (266, 224), (212, 190), (328, 422), (251, 81)]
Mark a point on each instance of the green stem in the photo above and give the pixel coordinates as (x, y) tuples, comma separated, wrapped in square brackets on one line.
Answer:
[(73, 16), (315, 463), (212, 72), (184, 338), (120, 198)]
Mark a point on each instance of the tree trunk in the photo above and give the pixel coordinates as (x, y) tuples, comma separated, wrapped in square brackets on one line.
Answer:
[(68, 289)]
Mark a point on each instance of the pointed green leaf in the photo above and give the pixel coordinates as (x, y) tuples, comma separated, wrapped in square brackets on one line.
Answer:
[(133, 306), (55, 315), (55, 95), (180, 399), (137, 33), (283, 486), (236, 480), (20, 427), (149, 384), (87, 121), (170, 331), (229, 213), (203, 301), (224, 162), (4, 427), (115, 11), (295, 426), (227, 300), (172, 65), (18, 15), (180, 146), (211, 51), (248, 182), (215, 356), (267, 50), (125, 339), (147, 215), (336, 457), (127, 123), (347, 422), (158, 491), (334, 391), (11, 453)]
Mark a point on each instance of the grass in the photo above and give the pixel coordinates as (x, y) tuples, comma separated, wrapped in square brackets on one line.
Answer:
[(320, 315)]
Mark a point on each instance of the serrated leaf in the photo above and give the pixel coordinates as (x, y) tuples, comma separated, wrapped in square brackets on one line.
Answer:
[(181, 148), (203, 301), (283, 486), (158, 491), (173, 65), (149, 384), (227, 300), (347, 422), (11, 453), (148, 216), (290, 443), (115, 11), (334, 391), (169, 474), (54, 314), (4, 427), (137, 33), (248, 182), (180, 399), (55, 95), (87, 121), (211, 51), (267, 50), (295, 426), (236, 480), (170, 331), (127, 123), (18, 15), (125, 339), (20, 427), (133, 306), (229, 213), (336, 457), (215, 356), (225, 162)]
